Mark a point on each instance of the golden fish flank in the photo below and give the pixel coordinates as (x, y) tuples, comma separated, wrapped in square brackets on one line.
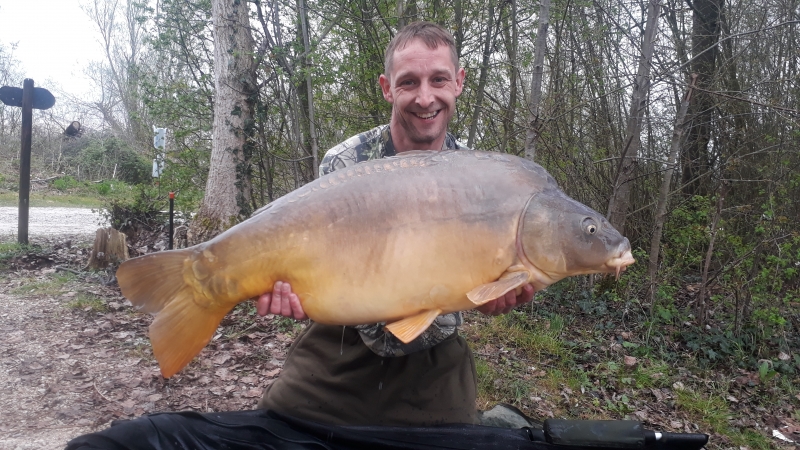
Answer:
[(399, 240)]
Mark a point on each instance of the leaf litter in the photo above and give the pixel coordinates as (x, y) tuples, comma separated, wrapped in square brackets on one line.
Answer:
[(74, 356)]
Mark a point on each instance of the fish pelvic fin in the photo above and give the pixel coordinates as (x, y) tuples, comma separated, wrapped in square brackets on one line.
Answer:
[(186, 319), (496, 289), (410, 328)]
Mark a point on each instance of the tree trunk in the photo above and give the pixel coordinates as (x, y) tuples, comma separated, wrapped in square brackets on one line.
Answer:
[(512, 43), (110, 247), (705, 34), (663, 193), (620, 198), (312, 131), (458, 11), (228, 191), (481, 89), (536, 81), (701, 297)]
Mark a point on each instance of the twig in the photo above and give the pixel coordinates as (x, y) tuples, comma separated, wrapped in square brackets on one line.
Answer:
[(65, 269), (101, 394)]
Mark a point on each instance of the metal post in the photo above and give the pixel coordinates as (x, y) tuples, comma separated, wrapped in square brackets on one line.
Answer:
[(25, 161), (171, 209)]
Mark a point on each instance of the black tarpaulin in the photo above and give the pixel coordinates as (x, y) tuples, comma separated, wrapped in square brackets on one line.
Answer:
[(261, 429)]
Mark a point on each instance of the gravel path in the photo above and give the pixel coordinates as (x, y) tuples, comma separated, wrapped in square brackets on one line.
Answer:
[(52, 221)]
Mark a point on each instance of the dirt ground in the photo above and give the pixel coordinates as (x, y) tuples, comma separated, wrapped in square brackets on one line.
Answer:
[(74, 356)]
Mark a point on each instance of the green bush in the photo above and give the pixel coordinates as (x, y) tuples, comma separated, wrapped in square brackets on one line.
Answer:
[(66, 182), (142, 210), (103, 188), (112, 157)]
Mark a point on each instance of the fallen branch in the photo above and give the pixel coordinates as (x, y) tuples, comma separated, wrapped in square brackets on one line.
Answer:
[(66, 269)]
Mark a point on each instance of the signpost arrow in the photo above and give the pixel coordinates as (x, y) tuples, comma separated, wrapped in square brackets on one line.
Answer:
[(12, 96), (28, 98)]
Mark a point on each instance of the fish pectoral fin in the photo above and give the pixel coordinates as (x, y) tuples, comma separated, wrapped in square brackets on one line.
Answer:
[(496, 289), (409, 328)]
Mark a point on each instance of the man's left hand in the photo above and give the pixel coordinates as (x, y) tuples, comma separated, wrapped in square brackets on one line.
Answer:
[(507, 302)]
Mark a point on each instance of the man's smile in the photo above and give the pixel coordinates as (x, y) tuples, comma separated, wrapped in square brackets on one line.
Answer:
[(428, 115)]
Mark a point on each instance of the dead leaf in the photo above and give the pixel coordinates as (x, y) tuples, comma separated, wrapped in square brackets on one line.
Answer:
[(630, 361), (222, 359), (657, 394), (154, 398), (252, 393)]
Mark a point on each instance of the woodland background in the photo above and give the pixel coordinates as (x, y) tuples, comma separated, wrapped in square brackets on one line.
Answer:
[(708, 194)]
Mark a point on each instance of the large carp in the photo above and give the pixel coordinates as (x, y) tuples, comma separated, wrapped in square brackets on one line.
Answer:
[(397, 240)]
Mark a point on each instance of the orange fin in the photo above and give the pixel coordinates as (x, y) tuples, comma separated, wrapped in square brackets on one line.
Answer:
[(491, 291), (186, 320), (151, 281), (409, 328), (180, 331)]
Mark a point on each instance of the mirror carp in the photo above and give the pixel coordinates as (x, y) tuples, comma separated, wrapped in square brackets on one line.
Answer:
[(399, 240)]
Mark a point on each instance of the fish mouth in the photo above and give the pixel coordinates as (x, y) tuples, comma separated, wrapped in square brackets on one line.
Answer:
[(620, 263)]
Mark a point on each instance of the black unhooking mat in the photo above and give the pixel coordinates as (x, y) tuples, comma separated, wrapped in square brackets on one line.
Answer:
[(261, 429)]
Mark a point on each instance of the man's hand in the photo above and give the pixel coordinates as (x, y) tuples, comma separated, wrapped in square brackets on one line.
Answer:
[(507, 302), (281, 301)]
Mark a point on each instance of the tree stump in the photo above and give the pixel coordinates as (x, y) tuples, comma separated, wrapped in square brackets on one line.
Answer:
[(110, 247)]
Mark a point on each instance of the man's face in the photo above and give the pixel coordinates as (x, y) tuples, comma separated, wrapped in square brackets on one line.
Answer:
[(422, 88)]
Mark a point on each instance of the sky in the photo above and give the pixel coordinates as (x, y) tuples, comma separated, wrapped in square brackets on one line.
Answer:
[(55, 41)]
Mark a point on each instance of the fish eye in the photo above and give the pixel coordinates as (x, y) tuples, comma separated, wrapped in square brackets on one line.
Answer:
[(590, 226)]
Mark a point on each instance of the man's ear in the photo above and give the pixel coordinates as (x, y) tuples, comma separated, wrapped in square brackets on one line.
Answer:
[(386, 88), (460, 75)]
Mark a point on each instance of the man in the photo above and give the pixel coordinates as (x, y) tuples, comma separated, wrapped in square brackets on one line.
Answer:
[(363, 375)]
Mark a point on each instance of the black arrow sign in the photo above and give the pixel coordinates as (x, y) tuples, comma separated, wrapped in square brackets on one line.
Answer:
[(12, 96)]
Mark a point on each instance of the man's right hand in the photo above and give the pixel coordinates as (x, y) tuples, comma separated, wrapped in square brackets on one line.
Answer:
[(281, 301)]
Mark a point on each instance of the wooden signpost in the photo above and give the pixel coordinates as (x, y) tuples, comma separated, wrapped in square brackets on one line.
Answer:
[(27, 98)]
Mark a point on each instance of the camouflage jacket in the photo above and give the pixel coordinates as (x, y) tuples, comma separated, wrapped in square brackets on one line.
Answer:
[(373, 144)]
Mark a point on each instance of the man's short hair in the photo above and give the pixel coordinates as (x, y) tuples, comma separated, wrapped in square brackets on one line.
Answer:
[(433, 35)]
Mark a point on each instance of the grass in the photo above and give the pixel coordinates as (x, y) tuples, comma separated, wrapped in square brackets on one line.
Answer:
[(712, 412), (9, 250), (52, 286), (88, 302), (544, 373), (71, 194)]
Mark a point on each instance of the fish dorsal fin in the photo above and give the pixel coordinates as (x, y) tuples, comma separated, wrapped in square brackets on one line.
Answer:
[(511, 279), (409, 328)]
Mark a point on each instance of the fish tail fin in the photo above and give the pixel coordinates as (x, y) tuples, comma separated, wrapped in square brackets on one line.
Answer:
[(186, 320), (181, 330)]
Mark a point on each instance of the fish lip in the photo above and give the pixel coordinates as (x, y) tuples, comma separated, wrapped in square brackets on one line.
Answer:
[(620, 263)]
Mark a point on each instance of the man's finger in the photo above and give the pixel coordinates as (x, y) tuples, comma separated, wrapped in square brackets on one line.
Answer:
[(286, 307), (262, 304), (296, 307), (275, 305)]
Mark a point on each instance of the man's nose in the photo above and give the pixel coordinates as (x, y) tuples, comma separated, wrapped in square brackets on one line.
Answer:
[(425, 95)]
